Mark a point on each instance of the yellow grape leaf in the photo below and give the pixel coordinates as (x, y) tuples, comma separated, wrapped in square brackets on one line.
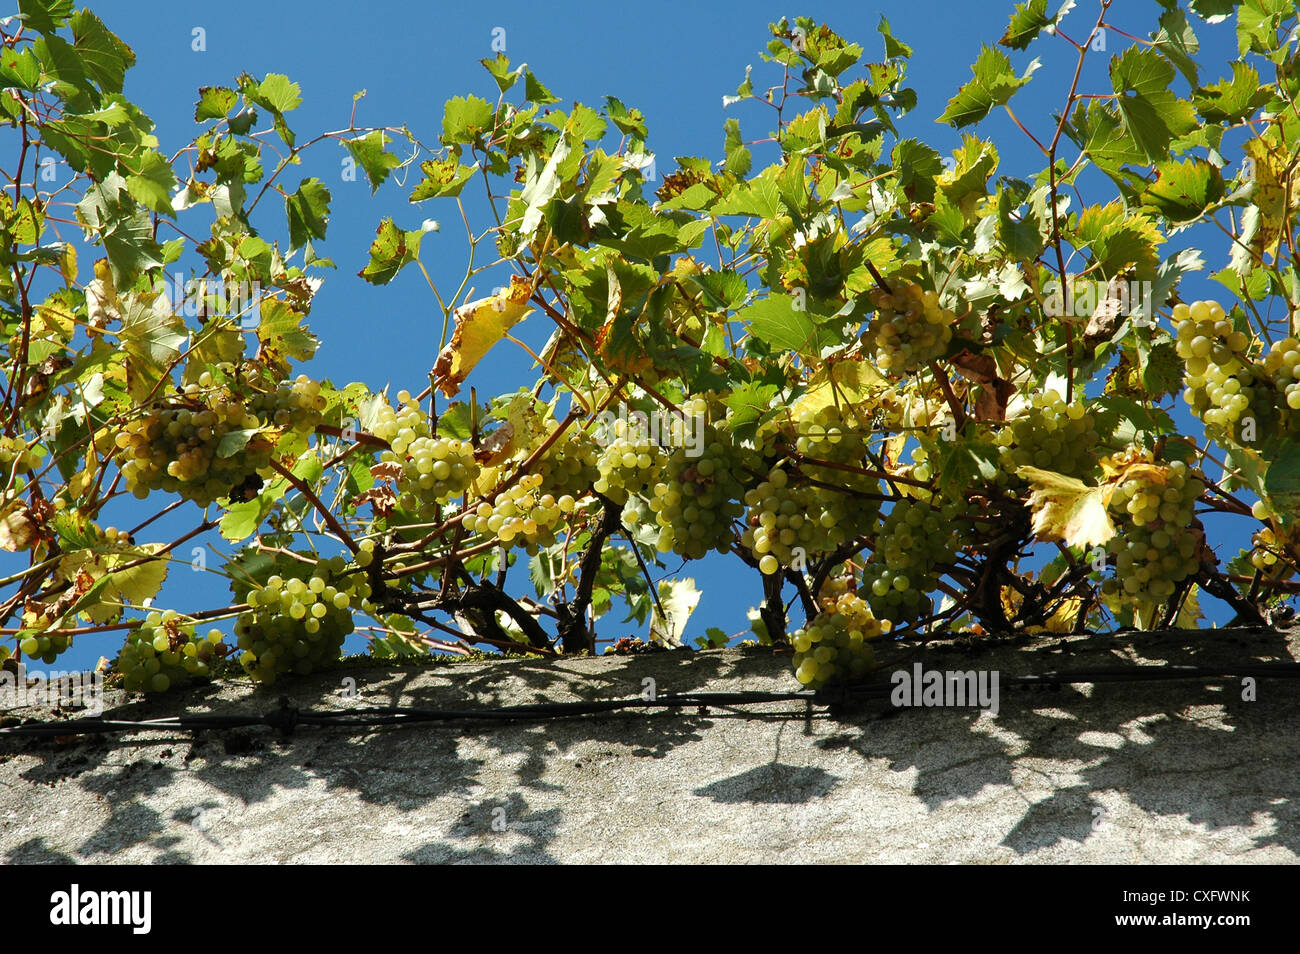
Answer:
[(523, 429), (1067, 509), (1270, 170), (845, 382), (134, 586), (479, 325)]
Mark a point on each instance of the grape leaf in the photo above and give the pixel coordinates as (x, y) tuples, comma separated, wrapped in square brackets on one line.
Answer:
[(480, 324), (994, 83), (1067, 509)]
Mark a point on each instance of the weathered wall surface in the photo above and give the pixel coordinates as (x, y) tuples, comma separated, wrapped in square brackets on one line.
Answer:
[(1161, 772)]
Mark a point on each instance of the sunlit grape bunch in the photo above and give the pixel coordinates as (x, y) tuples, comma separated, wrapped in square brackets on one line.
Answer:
[(434, 470), (630, 462), (914, 539), (296, 624), (1157, 544), (166, 649), (784, 521), (46, 647), (698, 496), (835, 646), (400, 426), (570, 466), (1224, 386), (1050, 435), (521, 515), (1283, 365), (909, 329), (17, 456), (835, 435), (193, 445)]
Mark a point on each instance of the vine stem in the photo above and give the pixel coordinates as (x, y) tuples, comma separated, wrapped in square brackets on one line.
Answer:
[(330, 520)]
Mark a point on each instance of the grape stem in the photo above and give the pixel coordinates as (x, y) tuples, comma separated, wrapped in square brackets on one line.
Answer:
[(575, 634)]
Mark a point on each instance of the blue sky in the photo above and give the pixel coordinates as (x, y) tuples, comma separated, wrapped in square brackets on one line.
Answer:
[(674, 61)]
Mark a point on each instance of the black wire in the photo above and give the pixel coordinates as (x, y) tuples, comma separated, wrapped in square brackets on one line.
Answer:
[(287, 717)]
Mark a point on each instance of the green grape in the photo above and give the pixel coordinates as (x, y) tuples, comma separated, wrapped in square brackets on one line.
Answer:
[(909, 330), (698, 496), (164, 650), (296, 624), (628, 464), (834, 647), (1049, 435), (1157, 542), (1282, 364), (521, 515), (177, 446), (1224, 387)]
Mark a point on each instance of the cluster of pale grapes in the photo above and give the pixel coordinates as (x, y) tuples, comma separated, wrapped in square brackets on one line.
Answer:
[(845, 505), (783, 522), (164, 649), (521, 515), (1265, 554), (909, 330), (630, 463), (1050, 435), (296, 624), (177, 447), (1157, 544), (835, 646), (570, 465), (912, 541), (1282, 363), (17, 456), (698, 496), (43, 646), (1223, 383), (434, 469)]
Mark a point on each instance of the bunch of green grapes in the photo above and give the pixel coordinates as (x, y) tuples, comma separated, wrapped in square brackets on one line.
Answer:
[(629, 463), (164, 650), (1266, 552), (17, 456), (834, 435), (46, 647), (1050, 435), (912, 541), (296, 624), (434, 470), (1157, 544), (570, 466), (698, 495), (399, 426), (784, 521), (1282, 363), (909, 330), (834, 646), (295, 406), (521, 515), (1223, 384), (177, 447)]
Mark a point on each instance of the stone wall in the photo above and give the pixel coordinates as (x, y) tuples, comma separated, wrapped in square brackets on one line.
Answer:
[(1144, 772)]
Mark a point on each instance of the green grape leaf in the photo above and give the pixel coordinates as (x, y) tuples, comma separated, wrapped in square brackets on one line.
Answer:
[(499, 67), (369, 153), (308, 211), (215, 102), (777, 321), (45, 16), (1152, 114), (390, 252), (1028, 20), (1184, 191), (464, 119), (994, 83), (442, 177), (535, 92), (152, 184)]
